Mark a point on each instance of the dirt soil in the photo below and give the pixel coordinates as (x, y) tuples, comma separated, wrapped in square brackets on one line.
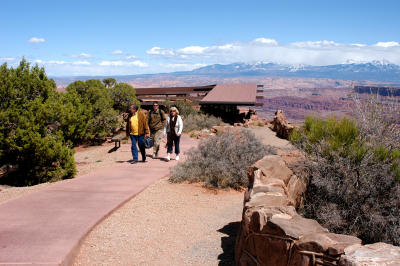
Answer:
[(167, 224), (172, 224)]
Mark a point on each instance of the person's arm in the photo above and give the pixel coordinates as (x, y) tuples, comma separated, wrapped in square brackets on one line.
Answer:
[(180, 124), (163, 116), (147, 130), (148, 117), (128, 125), (146, 125), (166, 125)]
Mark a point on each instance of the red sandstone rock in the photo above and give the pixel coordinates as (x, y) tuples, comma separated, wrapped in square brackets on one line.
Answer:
[(328, 243), (272, 166), (375, 254), (296, 189), (281, 126)]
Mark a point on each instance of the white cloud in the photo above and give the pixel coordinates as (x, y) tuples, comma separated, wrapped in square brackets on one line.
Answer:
[(81, 63), (192, 50), (117, 52), (36, 40), (181, 66), (387, 44), (358, 44), (160, 51), (323, 52), (313, 52), (60, 62), (84, 55), (7, 58), (228, 46), (81, 55), (265, 41), (195, 51), (315, 44), (56, 62), (137, 63)]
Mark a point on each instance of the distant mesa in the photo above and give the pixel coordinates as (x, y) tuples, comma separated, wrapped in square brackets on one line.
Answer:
[(381, 90)]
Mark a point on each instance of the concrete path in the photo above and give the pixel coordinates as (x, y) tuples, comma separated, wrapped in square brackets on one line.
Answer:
[(46, 227)]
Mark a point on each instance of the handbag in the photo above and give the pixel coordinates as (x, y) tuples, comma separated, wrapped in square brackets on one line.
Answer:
[(148, 142)]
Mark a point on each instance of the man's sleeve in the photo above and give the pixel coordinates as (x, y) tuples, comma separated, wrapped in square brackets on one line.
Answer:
[(147, 130)]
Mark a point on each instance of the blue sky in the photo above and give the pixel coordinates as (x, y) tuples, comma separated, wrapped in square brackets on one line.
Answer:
[(131, 37)]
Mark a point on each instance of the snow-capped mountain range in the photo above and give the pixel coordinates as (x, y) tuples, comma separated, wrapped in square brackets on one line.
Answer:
[(375, 70), (380, 71)]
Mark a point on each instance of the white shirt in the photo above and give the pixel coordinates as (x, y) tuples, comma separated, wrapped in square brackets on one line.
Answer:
[(178, 125)]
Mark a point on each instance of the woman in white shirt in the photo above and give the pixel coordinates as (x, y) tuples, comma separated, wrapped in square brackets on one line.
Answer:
[(173, 129)]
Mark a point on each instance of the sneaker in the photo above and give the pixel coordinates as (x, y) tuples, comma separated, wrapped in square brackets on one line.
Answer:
[(177, 158), (154, 156), (168, 158)]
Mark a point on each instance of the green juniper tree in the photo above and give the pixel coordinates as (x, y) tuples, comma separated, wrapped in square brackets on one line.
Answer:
[(30, 139), (39, 126)]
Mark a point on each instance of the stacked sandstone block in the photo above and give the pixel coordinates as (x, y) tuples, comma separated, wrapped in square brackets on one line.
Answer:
[(272, 233)]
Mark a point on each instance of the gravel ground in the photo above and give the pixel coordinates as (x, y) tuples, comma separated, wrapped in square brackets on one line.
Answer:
[(7, 192), (269, 137), (167, 224), (92, 158), (172, 224)]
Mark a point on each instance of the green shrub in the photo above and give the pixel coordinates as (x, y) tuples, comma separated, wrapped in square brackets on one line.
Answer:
[(200, 121), (354, 186), (123, 95), (30, 136), (221, 161), (39, 126), (96, 98), (109, 82)]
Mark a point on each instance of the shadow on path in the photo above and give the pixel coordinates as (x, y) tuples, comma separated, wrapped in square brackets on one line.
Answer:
[(113, 149), (228, 244)]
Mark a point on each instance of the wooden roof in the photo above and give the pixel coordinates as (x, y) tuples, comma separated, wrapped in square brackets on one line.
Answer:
[(172, 90), (239, 94)]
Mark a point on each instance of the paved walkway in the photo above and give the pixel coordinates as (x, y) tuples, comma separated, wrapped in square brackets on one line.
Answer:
[(46, 227)]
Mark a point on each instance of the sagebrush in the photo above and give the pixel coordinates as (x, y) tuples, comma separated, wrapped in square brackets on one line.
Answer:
[(200, 121), (221, 161), (354, 179), (185, 108)]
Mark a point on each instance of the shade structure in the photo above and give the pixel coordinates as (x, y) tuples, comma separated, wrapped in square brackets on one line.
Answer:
[(235, 94)]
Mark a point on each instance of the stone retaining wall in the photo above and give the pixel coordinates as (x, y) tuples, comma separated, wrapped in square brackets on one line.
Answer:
[(272, 233)]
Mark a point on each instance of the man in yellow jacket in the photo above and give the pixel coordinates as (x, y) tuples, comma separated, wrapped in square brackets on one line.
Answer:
[(137, 128)]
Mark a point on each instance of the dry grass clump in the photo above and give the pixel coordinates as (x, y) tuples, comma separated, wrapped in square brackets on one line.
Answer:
[(222, 161)]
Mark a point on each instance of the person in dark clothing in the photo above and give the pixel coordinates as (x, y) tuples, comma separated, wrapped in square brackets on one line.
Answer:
[(156, 121)]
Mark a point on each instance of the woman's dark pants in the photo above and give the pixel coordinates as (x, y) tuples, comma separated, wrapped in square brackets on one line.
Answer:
[(175, 141)]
